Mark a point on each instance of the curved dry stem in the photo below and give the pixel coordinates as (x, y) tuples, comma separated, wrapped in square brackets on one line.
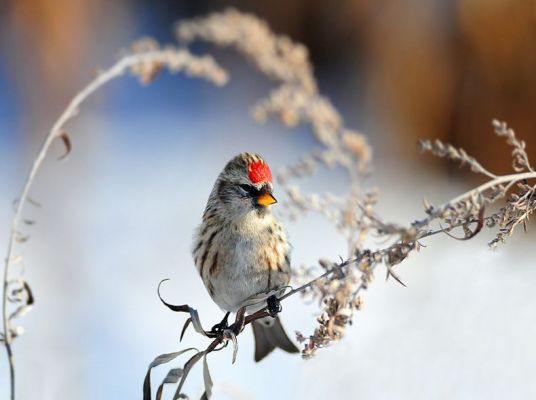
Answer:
[(175, 60), (508, 179)]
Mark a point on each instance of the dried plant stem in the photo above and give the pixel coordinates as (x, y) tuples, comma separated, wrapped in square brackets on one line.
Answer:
[(509, 179), (158, 57), (309, 284)]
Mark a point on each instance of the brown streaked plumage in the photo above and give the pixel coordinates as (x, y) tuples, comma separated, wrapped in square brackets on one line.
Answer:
[(241, 250)]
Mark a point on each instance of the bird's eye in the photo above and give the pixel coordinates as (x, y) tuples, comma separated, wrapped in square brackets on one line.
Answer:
[(250, 190)]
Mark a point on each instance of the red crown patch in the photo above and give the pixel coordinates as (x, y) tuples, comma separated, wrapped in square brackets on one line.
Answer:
[(259, 171)]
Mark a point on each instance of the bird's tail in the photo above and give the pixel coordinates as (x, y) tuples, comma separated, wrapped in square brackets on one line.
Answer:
[(269, 334)]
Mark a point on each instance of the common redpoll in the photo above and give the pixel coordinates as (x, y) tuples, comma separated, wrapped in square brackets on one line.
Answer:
[(241, 250)]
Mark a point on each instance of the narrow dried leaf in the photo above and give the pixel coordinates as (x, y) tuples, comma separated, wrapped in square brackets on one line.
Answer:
[(427, 205), (240, 319), (172, 376), (29, 295), (207, 378), (194, 316), (187, 367), (172, 307), (19, 238), (468, 233), (67, 143), (20, 311), (161, 359), (390, 272), (16, 332), (196, 322), (230, 335), (21, 293), (33, 202), (188, 321), (184, 308)]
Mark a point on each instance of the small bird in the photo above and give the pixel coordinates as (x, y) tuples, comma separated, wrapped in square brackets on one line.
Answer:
[(241, 250)]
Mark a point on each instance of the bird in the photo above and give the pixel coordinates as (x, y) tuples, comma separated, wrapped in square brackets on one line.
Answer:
[(241, 251)]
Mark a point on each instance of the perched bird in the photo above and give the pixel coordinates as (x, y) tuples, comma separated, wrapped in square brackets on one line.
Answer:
[(241, 250)]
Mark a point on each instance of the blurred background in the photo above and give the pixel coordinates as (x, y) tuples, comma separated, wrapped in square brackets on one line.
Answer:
[(117, 216)]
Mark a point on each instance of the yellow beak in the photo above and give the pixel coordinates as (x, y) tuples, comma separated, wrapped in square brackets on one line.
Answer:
[(266, 199)]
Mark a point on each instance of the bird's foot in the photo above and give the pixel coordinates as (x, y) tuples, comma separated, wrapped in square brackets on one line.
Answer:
[(274, 306), (218, 329)]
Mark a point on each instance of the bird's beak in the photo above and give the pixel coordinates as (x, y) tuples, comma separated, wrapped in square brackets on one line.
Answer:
[(266, 199)]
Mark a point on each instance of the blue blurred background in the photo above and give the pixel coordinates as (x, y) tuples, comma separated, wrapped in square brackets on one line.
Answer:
[(117, 216)]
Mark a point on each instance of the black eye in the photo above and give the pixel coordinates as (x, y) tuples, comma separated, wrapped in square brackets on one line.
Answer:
[(250, 190)]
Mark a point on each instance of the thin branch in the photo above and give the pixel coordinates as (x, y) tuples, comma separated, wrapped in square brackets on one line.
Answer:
[(318, 278), (510, 179)]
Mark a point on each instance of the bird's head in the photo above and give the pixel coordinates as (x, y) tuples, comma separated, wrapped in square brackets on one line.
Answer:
[(245, 186)]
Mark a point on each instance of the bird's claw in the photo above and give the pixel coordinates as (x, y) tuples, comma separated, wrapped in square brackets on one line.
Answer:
[(274, 306), (218, 329)]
